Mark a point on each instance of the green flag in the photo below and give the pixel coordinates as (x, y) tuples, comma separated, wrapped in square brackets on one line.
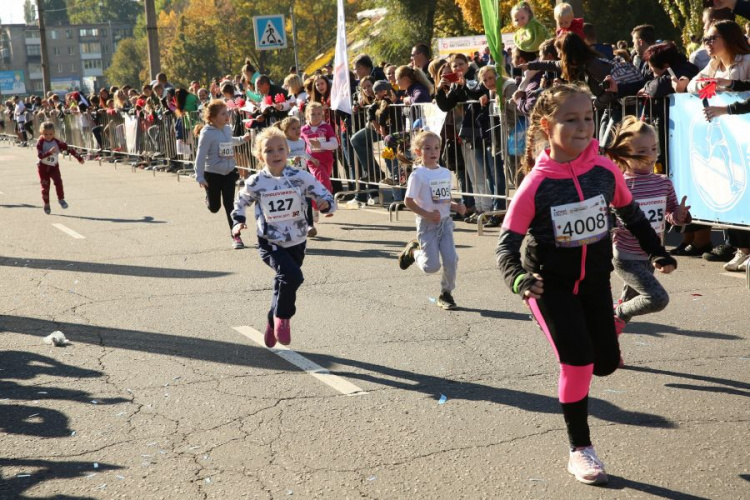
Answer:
[(491, 20)]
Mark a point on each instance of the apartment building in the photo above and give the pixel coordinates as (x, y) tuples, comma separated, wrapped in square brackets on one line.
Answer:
[(78, 56)]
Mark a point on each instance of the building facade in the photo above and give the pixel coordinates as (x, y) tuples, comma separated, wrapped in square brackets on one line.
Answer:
[(78, 56)]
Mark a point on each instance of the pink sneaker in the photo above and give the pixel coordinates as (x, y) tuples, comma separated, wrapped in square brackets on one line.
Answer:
[(283, 331), (586, 466), (619, 325), (269, 338)]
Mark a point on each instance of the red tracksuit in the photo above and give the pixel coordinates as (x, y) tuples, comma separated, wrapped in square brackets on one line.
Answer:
[(49, 167)]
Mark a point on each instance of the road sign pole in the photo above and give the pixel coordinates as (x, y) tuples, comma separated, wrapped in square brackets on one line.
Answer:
[(294, 38)]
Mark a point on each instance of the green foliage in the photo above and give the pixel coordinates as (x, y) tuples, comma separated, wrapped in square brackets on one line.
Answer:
[(29, 12), (55, 12), (194, 55), (614, 19), (101, 11), (128, 63), (685, 15)]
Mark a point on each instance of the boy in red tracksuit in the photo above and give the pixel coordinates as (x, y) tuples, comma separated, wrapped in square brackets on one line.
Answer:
[(48, 150)]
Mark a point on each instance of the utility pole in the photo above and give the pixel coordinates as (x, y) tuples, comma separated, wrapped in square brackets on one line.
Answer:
[(153, 39), (294, 39), (43, 40)]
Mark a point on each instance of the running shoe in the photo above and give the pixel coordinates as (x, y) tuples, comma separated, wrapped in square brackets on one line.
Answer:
[(743, 267), (283, 330), (694, 251), (619, 325), (739, 258), (406, 258), (63, 204), (493, 221), (237, 243), (47, 209), (312, 232), (720, 253), (446, 301), (269, 337), (586, 466)]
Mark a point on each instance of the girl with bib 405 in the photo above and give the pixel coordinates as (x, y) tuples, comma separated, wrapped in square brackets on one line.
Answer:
[(279, 193), (563, 208)]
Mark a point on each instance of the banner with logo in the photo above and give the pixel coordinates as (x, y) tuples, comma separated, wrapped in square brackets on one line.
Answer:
[(341, 92), (12, 82), (709, 162)]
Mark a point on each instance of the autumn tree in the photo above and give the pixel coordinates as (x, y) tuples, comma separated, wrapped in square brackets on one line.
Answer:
[(55, 12), (128, 63), (686, 16), (615, 19), (101, 11), (29, 12)]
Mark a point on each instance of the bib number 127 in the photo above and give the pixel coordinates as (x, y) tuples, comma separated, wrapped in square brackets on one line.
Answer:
[(280, 205)]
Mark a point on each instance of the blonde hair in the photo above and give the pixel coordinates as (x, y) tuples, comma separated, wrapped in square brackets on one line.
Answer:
[(213, 109), (563, 10), (294, 83), (46, 126), (417, 144), (484, 70), (522, 6), (287, 122), (310, 107), (546, 106), (620, 150), (415, 75), (265, 136)]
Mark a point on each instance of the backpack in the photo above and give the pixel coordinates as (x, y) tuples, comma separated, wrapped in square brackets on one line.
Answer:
[(624, 72)]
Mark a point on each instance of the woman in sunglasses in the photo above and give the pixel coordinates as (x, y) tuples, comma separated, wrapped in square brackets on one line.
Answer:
[(730, 55)]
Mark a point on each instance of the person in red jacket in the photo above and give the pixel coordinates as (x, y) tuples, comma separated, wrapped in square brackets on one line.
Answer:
[(48, 150), (562, 208)]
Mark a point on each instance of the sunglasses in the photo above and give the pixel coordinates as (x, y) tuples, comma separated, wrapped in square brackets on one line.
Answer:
[(710, 39)]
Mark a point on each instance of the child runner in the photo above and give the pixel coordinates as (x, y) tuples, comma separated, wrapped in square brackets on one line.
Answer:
[(635, 150), (298, 158), (428, 194), (279, 193), (563, 205), (48, 150), (214, 161), (321, 143)]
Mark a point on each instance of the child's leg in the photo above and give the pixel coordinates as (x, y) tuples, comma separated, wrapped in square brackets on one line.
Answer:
[(428, 255), (449, 256), (560, 314), (597, 307), (228, 186), (650, 295), (287, 263), (213, 191), (44, 179), (55, 176)]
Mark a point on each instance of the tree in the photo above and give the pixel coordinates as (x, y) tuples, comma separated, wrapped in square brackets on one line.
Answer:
[(55, 12), (128, 63), (101, 11), (686, 16), (29, 12), (614, 19)]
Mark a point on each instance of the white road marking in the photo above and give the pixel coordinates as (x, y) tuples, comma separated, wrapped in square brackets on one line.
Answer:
[(69, 232), (301, 362), (734, 275)]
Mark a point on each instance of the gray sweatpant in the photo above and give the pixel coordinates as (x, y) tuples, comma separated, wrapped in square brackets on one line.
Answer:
[(436, 244), (642, 292)]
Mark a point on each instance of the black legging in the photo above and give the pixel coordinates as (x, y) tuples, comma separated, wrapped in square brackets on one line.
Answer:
[(221, 190)]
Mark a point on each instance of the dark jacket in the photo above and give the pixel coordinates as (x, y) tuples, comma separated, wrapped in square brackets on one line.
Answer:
[(662, 86)]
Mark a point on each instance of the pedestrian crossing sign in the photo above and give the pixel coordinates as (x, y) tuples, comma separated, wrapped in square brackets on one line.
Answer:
[(269, 32)]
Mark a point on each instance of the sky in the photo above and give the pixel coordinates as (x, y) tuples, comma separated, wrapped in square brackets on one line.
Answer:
[(12, 12)]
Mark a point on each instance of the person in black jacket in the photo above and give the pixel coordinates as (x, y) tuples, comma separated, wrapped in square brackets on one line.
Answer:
[(740, 7)]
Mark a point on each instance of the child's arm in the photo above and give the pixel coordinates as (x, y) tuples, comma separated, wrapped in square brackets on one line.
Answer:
[(246, 197), (677, 214), (315, 190), (200, 159), (330, 143), (412, 205), (64, 147), (458, 207), (39, 152), (239, 141)]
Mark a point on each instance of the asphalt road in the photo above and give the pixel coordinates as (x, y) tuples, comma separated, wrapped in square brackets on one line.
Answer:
[(163, 393)]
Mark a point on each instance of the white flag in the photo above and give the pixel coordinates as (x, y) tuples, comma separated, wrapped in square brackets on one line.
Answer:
[(341, 93)]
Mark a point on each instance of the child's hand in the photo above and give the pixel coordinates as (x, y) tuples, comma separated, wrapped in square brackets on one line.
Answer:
[(712, 112), (53, 150), (315, 143), (203, 184), (323, 206), (246, 137), (681, 212), (237, 229), (664, 269), (536, 290), (433, 216), (484, 100)]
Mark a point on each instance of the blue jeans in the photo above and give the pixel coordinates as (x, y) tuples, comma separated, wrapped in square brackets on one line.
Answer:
[(495, 174)]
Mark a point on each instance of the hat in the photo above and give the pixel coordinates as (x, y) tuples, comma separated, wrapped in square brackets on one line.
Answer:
[(381, 85)]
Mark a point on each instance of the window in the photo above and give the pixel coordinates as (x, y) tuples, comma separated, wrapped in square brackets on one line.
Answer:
[(56, 51), (53, 34), (33, 50), (59, 67), (103, 32), (88, 32), (35, 68), (68, 34), (72, 67), (92, 64), (91, 48), (38, 86), (71, 50), (32, 34), (106, 49)]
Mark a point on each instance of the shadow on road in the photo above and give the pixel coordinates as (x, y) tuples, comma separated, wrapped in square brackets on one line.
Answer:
[(746, 477), (491, 313), (116, 269), (146, 219), (35, 472), (20, 205), (660, 331), (36, 420), (620, 483), (731, 387)]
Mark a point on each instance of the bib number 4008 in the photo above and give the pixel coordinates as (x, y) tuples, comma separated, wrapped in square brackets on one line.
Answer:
[(581, 226), (280, 205)]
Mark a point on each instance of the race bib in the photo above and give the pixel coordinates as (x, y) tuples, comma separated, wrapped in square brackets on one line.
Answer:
[(282, 205), (581, 223), (656, 211), (51, 160), (226, 149), (440, 189)]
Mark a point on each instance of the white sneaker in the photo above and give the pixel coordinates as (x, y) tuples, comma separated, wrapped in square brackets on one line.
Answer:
[(743, 267), (353, 204), (737, 261), (586, 466), (373, 201)]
